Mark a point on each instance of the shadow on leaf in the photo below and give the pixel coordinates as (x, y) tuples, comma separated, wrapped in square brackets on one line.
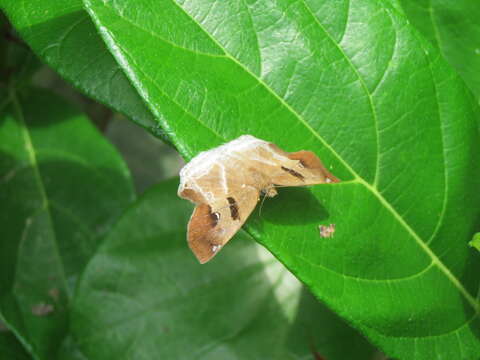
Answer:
[(292, 206)]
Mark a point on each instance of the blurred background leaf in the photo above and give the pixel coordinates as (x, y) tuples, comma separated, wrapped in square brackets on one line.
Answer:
[(54, 169), (149, 159), (10, 347)]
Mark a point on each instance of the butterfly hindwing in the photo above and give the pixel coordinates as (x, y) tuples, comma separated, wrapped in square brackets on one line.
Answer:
[(213, 225)]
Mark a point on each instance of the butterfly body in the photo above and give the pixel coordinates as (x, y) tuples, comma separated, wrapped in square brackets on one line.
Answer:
[(226, 182)]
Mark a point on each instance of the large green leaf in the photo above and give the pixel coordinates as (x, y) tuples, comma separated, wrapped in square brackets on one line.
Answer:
[(454, 26), (61, 187), (62, 34), (144, 296), (354, 82)]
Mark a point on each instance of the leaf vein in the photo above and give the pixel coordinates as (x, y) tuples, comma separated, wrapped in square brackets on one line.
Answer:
[(41, 187)]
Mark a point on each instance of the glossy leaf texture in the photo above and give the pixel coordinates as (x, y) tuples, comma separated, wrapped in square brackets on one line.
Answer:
[(354, 82), (53, 166), (62, 34), (157, 302), (454, 26)]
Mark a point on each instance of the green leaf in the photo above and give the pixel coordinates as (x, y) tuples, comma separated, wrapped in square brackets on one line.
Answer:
[(61, 33), (454, 26), (475, 241), (354, 82), (70, 350), (145, 293), (62, 185)]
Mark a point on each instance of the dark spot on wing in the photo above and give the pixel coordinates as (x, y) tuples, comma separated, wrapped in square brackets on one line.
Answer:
[(293, 173), (214, 216), (233, 208)]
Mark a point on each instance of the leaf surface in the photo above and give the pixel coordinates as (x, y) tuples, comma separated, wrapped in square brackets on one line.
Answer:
[(157, 302), (354, 82), (54, 166), (61, 33), (454, 26)]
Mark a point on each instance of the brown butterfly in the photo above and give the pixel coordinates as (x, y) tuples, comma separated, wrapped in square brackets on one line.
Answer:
[(226, 182)]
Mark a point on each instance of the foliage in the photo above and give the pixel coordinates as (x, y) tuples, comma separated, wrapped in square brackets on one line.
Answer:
[(475, 241), (376, 89)]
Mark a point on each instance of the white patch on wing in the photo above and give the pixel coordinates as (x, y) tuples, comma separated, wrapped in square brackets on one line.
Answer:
[(223, 177), (215, 248)]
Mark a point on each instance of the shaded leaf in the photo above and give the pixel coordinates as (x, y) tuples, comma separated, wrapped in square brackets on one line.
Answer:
[(61, 33), (61, 187), (17, 62), (69, 350), (354, 82), (453, 26), (149, 159), (10, 347), (144, 296)]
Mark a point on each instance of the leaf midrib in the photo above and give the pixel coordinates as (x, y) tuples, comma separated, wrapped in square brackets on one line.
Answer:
[(38, 178), (443, 268), (12, 99)]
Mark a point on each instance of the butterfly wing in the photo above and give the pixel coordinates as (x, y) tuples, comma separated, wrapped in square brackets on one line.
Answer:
[(213, 225), (301, 168), (224, 183)]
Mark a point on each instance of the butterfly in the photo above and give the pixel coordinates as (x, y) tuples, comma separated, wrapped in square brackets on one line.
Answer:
[(225, 184)]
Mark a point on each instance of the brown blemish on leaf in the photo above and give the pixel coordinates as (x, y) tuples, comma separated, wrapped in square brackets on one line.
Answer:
[(54, 293), (42, 309), (326, 231)]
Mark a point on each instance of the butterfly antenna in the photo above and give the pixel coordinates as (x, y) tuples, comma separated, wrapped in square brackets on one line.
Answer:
[(261, 205)]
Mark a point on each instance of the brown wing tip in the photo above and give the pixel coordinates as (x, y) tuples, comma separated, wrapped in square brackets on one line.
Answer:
[(201, 239), (204, 252), (311, 161)]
